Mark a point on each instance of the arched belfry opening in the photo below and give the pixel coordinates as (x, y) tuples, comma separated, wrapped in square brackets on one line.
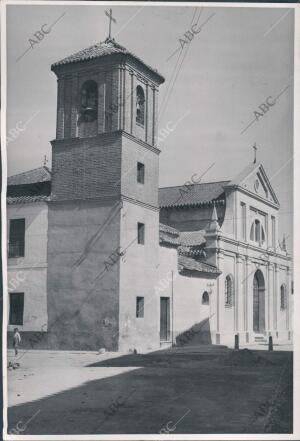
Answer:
[(259, 325), (88, 102)]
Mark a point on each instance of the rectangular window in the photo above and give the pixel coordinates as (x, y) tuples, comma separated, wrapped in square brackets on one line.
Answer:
[(140, 173), (140, 307), (273, 231), (16, 308), (141, 233), (16, 238), (243, 220)]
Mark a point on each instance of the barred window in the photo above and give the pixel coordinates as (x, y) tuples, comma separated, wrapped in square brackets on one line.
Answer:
[(229, 291), (16, 308), (16, 246)]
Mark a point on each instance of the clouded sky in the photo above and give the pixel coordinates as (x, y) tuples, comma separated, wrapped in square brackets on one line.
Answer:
[(213, 85)]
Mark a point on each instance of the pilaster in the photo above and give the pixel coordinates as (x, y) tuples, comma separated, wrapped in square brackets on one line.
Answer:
[(275, 294), (220, 301)]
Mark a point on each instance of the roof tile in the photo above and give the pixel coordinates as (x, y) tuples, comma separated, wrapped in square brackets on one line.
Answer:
[(187, 263), (41, 174), (196, 194), (102, 49)]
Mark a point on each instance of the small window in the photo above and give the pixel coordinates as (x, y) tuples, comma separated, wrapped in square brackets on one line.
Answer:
[(229, 291), (205, 298), (140, 307), (282, 297), (140, 173), (16, 308), (141, 233), (140, 105), (16, 238)]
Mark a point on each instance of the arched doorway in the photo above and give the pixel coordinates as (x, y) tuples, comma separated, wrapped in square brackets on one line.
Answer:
[(259, 325)]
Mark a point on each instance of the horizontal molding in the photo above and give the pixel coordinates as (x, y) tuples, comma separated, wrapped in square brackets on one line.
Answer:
[(140, 203)]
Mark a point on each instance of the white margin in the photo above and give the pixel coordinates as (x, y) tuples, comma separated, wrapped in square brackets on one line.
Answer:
[(296, 259)]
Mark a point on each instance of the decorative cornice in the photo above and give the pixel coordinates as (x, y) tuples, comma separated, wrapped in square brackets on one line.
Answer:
[(253, 195), (106, 136), (108, 198), (251, 247)]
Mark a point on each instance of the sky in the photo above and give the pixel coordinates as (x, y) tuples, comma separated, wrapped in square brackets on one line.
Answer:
[(238, 60)]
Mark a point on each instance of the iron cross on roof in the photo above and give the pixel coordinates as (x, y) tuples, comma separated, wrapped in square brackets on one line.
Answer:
[(111, 18)]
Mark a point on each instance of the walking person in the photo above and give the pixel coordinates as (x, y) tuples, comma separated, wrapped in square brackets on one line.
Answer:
[(16, 340)]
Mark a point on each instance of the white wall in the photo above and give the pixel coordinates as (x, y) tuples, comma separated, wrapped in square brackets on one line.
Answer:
[(28, 274), (138, 277), (187, 292)]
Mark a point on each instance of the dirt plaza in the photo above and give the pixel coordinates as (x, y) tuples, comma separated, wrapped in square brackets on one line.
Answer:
[(192, 389)]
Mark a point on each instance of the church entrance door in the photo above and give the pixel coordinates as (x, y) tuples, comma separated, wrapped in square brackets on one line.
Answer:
[(164, 319), (259, 303)]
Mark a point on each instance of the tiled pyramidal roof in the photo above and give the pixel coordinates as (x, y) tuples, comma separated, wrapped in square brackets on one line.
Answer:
[(103, 49)]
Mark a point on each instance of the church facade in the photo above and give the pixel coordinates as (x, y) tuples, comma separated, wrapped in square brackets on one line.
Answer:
[(100, 256)]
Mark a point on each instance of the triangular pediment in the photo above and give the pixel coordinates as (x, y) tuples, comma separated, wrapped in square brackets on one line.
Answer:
[(254, 180)]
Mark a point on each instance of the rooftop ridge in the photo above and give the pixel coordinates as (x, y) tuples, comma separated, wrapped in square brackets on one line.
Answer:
[(200, 183), (31, 170)]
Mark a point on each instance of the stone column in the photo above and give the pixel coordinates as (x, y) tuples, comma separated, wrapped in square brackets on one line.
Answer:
[(247, 306)]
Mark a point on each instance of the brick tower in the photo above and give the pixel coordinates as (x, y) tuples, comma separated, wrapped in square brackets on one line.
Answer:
[(103, 214)]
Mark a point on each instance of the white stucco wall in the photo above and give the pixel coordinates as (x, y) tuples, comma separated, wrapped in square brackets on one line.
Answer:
[(28, 274), (187, 293), (138, 277)]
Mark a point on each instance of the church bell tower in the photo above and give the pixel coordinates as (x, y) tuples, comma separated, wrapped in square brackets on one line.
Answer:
[(103, 215)]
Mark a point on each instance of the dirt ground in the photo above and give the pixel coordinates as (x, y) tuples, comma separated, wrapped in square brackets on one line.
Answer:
[(203, 389)]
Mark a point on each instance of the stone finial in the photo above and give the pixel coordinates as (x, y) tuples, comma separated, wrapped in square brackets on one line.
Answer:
[(213, 224)]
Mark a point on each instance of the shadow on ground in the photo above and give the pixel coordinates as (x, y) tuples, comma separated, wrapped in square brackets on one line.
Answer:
[(195, 389)]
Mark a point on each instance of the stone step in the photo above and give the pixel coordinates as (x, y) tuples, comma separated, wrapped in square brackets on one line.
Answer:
[(260, 338)]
